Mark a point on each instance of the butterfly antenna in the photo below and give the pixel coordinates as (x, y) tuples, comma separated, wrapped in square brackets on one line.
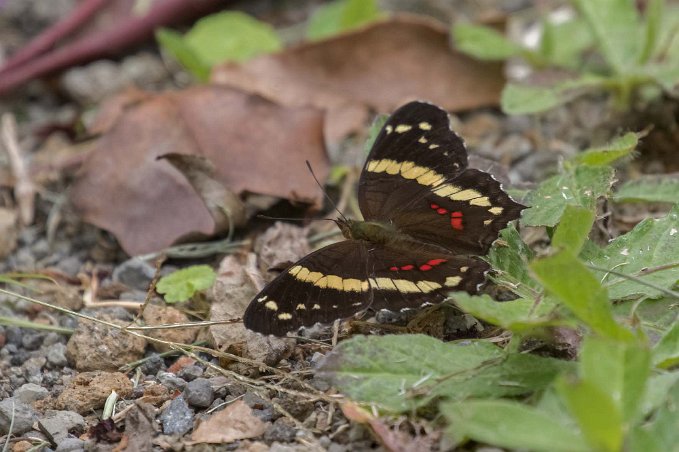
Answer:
[(325, 192)]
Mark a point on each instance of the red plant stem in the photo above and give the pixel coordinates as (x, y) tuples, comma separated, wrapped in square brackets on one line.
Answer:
[(108, 42), (49, 38)]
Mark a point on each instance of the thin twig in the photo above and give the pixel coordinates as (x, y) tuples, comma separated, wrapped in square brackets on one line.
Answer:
[(24, 190), (669, 293)]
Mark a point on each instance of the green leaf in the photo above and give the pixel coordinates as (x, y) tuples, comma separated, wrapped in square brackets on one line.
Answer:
[(399, 373), (341, 15), (573, 229), (595, 413), (616, 27), (375, 128), (509, 257), (620, 369), (653, 244), (564, 43), (654, 315), (231, 36), (652, 26), (619, 148), (658, 390), (664, 424), (566, 277), (521, 100), (183, 284), (580, 186), (483, 43), (666, 351), (649, 188), (174, 43), (516, 315), (510, 425)]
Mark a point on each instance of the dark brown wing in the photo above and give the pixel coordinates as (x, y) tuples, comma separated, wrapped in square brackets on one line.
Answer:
[(416, 178), (342, 279)]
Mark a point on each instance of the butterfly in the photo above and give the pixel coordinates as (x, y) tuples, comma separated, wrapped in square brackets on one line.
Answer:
[(427, 217)]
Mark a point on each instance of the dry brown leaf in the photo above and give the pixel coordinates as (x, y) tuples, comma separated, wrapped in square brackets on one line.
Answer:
[(148, 205), (233, 423), (380, 66), (390, 439)]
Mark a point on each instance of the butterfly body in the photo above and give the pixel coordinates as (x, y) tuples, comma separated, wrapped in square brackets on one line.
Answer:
[(427, 217)]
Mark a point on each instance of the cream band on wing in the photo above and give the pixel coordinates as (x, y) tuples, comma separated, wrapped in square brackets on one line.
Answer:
[(335, 282), (430, 178)]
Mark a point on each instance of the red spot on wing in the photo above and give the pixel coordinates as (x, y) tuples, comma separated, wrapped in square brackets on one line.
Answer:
[(407, 267), (425, 267), (434, 206), (456, 220), (393, 269), (434, 262), (441, 211)]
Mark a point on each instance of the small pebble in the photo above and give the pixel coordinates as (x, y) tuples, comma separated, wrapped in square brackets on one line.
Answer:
[(134, 273), (152, 365), (280, 430), (177, 419), (60, 424), (172, 381), (199, 393), (71, 445), (30, 392), (24, 416), (56, 355), (191, 372)]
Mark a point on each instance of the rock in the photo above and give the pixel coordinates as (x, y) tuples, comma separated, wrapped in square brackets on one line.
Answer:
[(8, 231), (299, 409), (157, 315), (199, 393), (152, 365), (13, 335), (32, 340), (30, 392), (94, 346), (32, 369), (23, 413), (177, 418), (191, 372), (59, 424), (281, 430), (134, 273), (71, 445), (56, 355), (172, 381), (88, 391)]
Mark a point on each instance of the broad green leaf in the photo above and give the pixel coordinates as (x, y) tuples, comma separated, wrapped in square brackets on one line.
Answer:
[(399, 373), (657, 391), (564, 43), (580, 186), (661, 432), (649, 188), (566, 277), (183, 284), (654, 315), (509, 257), (522, 100), (619, 369), (516, 315), (573, 229), (617, 31), (510, 425), (666, 351), (619, 148), (652, 244), (174, 43), (341, 15), (483, 43), (375, 128), (231, 36), (385, 369), (595, 413)]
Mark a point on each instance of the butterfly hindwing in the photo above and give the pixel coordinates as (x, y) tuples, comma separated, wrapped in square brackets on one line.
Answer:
[(321, 287)]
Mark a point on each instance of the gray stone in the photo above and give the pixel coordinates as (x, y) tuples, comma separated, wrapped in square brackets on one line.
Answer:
[(190, 373), (152, 365), (59, 424), (134, 273), (32, 369), (56, 355), (53, 338), (177, 419), (71, 445), (70, 265), (172, 381), (30, 392), (281, 430), (199, 393), (13, 335), (24, 416)]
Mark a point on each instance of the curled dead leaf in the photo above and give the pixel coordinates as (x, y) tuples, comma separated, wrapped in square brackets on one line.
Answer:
[(149, 205), (233, 423)]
